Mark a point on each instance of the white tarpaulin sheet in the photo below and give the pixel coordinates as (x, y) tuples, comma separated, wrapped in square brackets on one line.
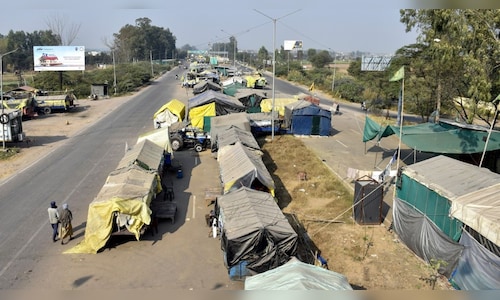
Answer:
[(480, 210)]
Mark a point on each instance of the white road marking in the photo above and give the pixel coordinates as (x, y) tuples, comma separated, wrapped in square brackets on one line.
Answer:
[(342, 143), (18, 253), (194, 206)]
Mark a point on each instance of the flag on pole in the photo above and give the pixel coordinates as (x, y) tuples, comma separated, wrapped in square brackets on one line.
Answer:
[(400, 74), (311, 88), (393, 158)]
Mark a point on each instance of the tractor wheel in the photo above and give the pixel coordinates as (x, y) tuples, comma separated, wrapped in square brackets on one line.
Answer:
[(176, 143), (47, 110), (198, 148)]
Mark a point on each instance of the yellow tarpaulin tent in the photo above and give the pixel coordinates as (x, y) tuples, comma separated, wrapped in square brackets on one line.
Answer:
[(126, 196), (175, 106), (266, 105), (197, 114)]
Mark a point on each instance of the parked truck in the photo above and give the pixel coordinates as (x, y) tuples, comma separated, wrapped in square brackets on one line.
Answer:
[(48, 102), (12, 126)]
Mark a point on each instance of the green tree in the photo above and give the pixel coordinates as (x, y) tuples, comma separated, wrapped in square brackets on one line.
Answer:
[(461, 49), (262, 56), (22, 59), (143, 40), (311, 53), (321, 59)]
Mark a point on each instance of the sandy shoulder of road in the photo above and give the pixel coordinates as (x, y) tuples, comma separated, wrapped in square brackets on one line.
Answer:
[(47, 132)]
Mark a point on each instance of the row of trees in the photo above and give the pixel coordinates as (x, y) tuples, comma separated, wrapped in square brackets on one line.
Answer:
[(452, 68)]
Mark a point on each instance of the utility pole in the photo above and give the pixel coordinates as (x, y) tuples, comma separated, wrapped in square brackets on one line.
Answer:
[(274, 64)]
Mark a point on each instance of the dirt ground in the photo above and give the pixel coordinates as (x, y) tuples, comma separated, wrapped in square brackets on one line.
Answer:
[(369, 256)]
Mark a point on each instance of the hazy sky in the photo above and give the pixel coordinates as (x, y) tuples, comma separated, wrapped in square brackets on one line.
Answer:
[(342, 26)]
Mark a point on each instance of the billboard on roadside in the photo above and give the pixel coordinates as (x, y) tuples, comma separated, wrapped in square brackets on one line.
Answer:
[(59, 58), (292, 45)]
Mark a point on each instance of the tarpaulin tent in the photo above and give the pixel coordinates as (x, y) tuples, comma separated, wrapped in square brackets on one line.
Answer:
[(206, 85), (160, 137), (171, 112), (266, 105), (241, 166), (297, 275), (477, 268), (305, 118), (445, 138), (145, 154), (480, 210), (424, 238), (122, 202), (210, 104), (251, 99), (261, 123), (233, 134), (253, 229), (221, 123), (231, 88), (437, 184), (447, 194)]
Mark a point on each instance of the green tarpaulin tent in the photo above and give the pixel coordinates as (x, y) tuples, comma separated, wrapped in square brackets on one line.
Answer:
[(443, 137)]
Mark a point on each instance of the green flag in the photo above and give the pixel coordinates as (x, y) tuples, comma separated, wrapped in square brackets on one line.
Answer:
[(400, 74)]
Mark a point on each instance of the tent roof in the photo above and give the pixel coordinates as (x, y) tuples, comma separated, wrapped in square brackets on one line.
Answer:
[(159, 136), (217, 97), (174, 106), (472, 191), (449, 177), (221, 123), (480, 210), (233, 134), (204, 85), (240, 164), (146, 154), (132, 183), (24, 88), (437, 138), (304, 104), (246, 210), (244, 93), (297, 275)]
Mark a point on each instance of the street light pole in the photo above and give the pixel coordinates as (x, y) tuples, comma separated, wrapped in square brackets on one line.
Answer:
[(1, 97), (114, 72), (234, 45), (274, 64)]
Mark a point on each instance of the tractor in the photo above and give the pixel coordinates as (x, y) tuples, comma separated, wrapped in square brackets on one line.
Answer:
[(189, 138)]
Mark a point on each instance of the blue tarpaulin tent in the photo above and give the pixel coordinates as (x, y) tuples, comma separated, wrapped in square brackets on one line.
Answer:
[(306, 118)]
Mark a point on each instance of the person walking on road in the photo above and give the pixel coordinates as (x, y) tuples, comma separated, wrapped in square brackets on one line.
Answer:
[(53, 219), (66, 226)]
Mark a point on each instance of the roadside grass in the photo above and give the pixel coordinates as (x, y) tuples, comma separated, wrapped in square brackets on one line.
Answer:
[(8, 153), (369, 256), (321, 196)]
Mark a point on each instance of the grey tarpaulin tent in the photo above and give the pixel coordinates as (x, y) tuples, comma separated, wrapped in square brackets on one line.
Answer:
[(145, 154), (253, 229), (220, 123), (242, 166), (297, 275), (233, 134)]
